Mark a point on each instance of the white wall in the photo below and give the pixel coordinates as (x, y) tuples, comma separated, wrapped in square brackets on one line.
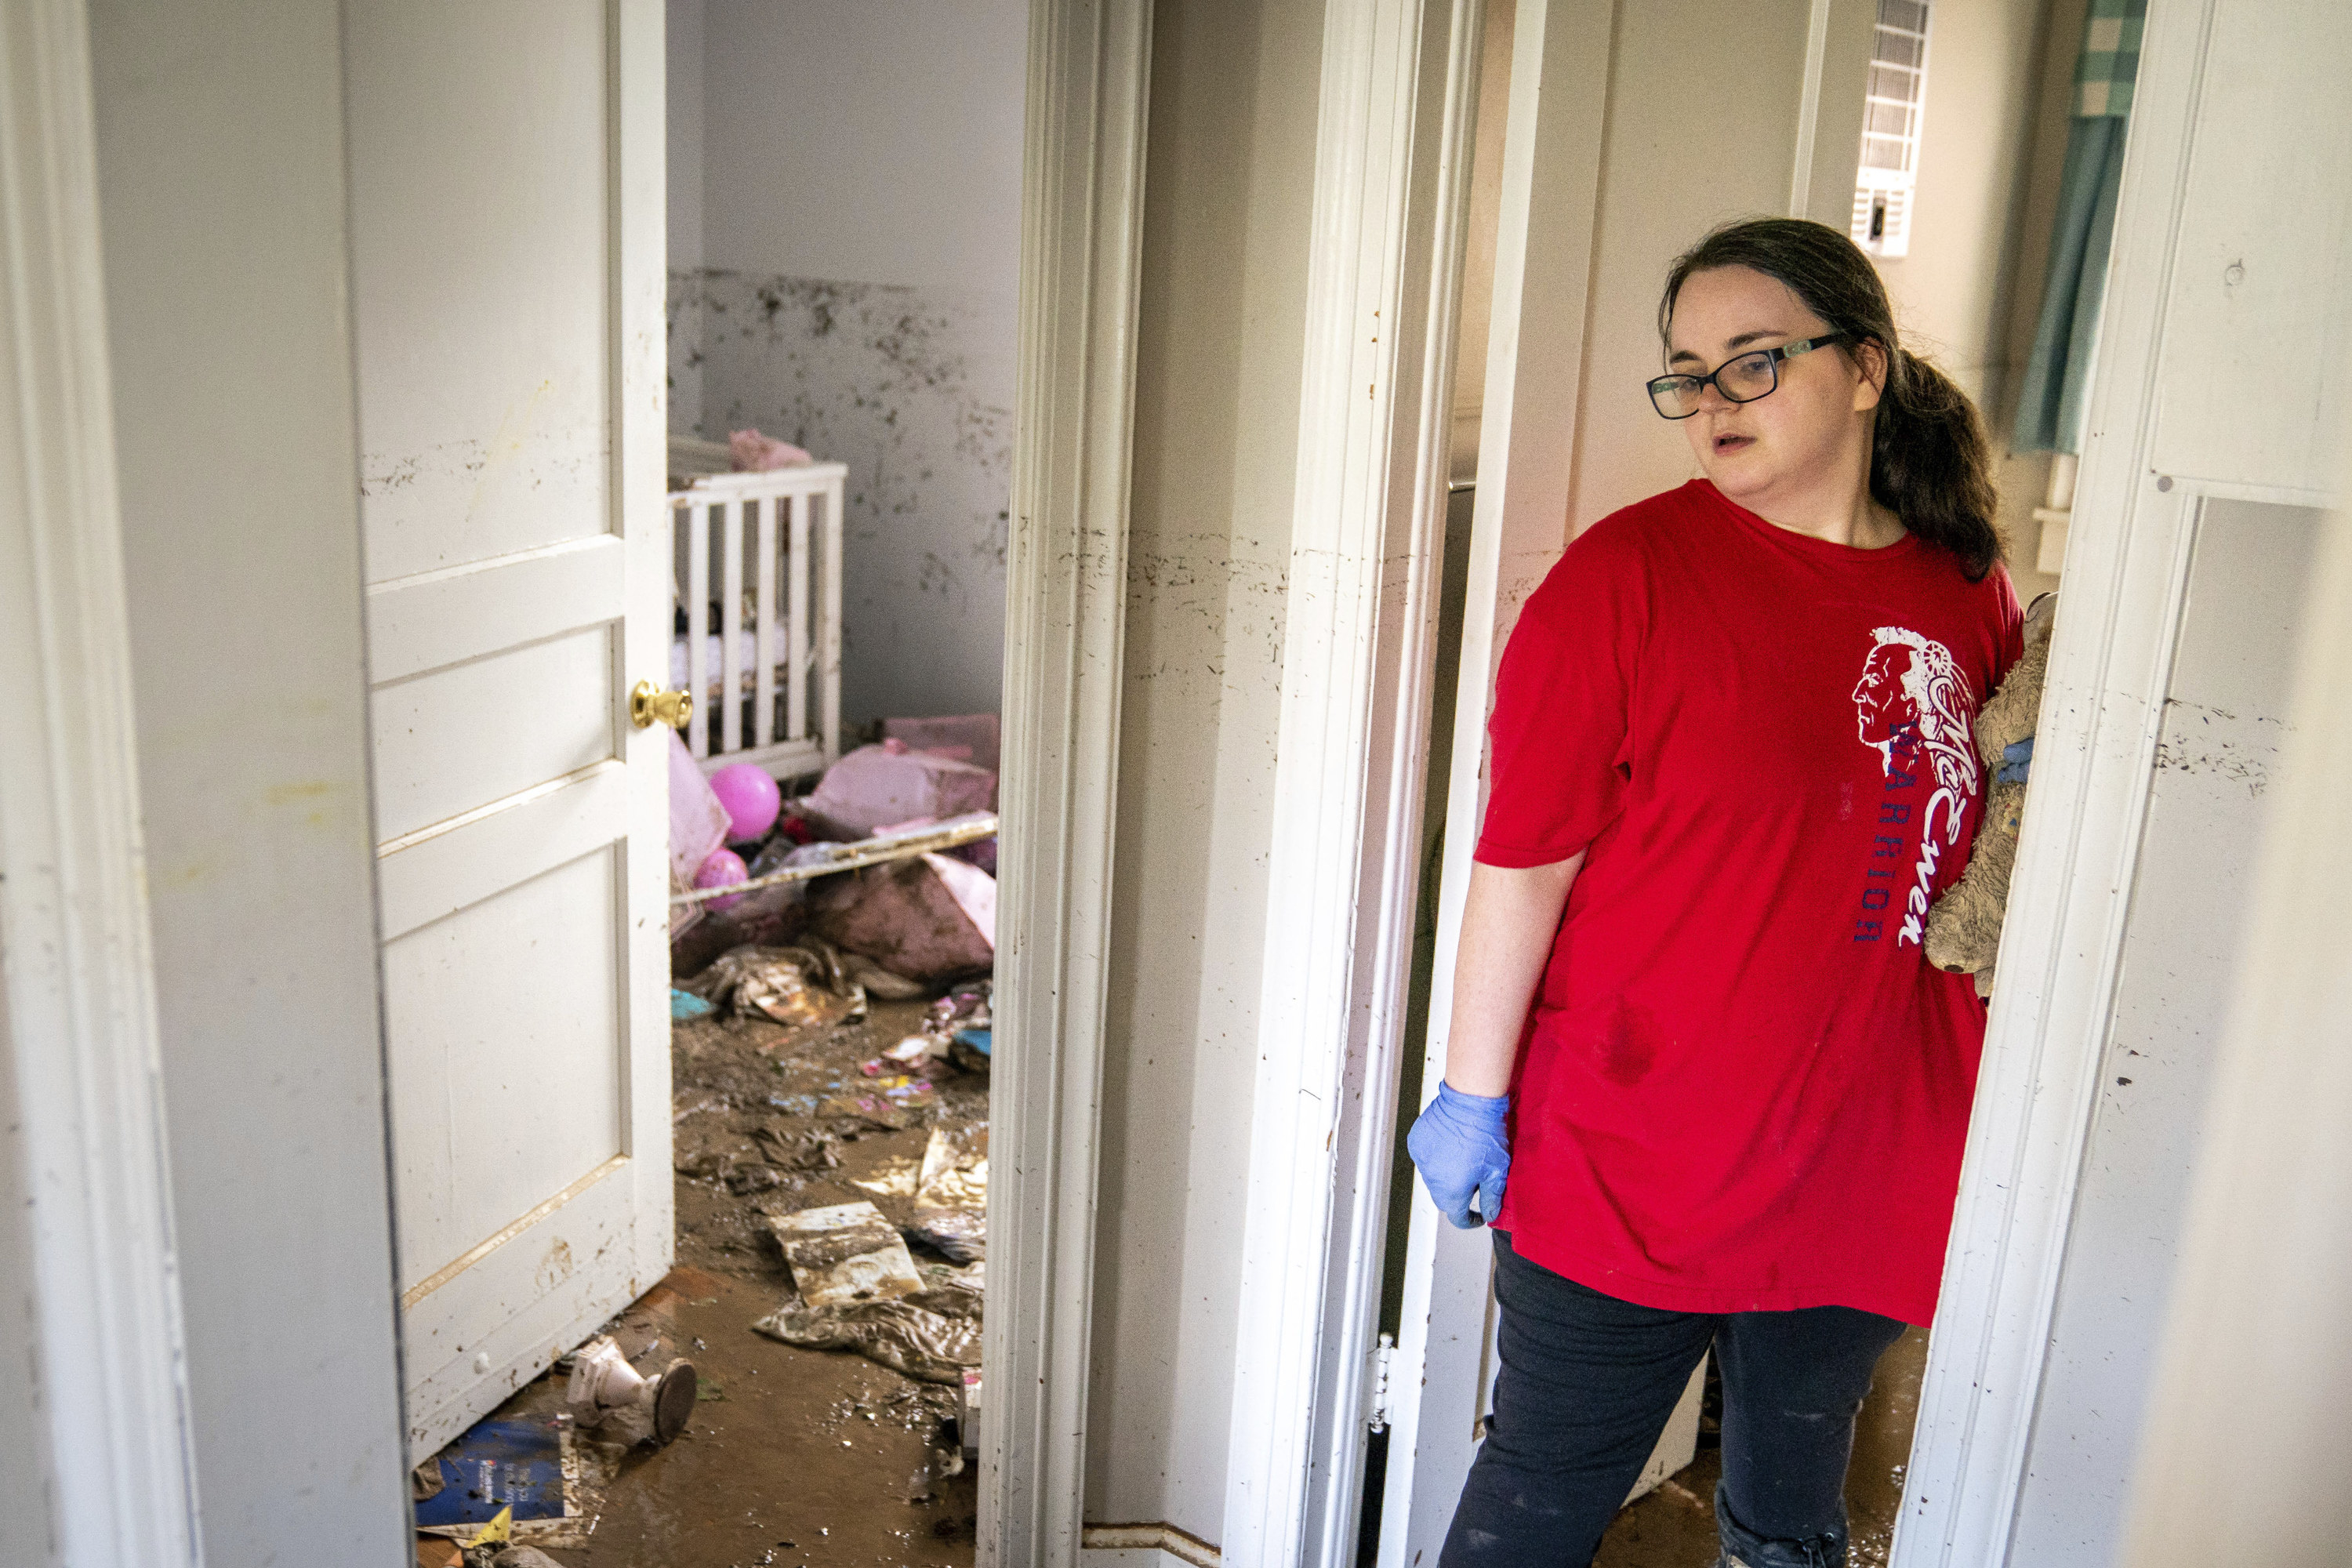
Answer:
[(2247, 407), (1662, 188), (2256, 1371), (222, 185), (880, 142), (1227, 191), (2225, 718), (849, 283)]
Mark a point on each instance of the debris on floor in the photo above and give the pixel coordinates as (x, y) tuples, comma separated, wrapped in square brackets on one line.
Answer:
[(950, 1207), (793, 985), (902, 1334), (930, 919), (606, 1391), (956, 1030), (875, 786), (844, 1253), (830, 1284), (523, 1557), (963, 737), (968, 1416), (505, 1480), (751, 798)]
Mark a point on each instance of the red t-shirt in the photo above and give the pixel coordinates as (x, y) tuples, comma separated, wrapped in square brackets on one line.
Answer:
[(1743, 1086)]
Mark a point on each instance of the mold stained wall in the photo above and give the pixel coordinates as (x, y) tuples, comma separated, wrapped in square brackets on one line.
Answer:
[(1228, 193), (844, 219)]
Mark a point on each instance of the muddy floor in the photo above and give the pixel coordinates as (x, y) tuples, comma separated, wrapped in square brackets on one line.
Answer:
[(824, 1457), (793, 1456)]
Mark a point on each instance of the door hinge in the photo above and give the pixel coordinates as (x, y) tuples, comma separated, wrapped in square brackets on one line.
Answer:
[(1382, 1354)]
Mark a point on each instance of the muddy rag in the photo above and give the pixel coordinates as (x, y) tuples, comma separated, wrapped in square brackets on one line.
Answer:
[(929, 1346)]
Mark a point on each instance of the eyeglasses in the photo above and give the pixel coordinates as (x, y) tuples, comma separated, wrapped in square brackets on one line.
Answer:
[(1741, 380)]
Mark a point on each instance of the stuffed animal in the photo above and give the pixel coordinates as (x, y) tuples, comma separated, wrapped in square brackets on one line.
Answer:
[(1964, 928)]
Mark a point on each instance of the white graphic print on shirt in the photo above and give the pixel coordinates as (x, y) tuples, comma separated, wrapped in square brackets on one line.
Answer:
[(1912, 703)]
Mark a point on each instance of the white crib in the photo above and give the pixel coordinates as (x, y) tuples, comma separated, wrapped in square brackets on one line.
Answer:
[(766, 677)]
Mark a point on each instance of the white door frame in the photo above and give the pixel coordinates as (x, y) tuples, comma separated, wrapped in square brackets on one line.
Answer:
[(1081, 246), (2127, 559), (1543, 256), (1395, 126), (97, 1415), (2126, 571)]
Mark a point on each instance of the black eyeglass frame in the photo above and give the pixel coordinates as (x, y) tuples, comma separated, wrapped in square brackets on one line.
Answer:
[(1772, 358)]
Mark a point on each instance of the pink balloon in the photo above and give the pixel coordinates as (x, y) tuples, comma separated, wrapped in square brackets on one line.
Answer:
[(724, 868), (751, 799)]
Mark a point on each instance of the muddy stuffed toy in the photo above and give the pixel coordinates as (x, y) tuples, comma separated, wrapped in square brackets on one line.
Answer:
[(1964, 928)]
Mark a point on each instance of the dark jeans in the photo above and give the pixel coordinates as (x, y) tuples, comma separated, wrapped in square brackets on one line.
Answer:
[(1586, 1385)]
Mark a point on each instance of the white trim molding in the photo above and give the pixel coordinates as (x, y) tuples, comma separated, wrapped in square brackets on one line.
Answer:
[(95, 1313), (1543, 259), (1397, 107), (1081, 247), (2126, 567)]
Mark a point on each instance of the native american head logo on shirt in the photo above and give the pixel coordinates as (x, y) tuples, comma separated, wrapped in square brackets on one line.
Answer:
[(1913, 704)]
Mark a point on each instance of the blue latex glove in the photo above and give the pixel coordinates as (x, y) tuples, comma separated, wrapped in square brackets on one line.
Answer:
[(1459, 1147), (2016, 761)]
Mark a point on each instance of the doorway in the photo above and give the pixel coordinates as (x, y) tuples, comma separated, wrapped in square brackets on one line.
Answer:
[(791, 592), (1938, 136)]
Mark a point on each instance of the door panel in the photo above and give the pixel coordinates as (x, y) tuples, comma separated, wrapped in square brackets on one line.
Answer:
[(508, 278), (480, 230), (548, 709), (499, 1083)]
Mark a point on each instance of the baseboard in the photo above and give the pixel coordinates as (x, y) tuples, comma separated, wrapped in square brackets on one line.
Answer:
[(1144, 1546)]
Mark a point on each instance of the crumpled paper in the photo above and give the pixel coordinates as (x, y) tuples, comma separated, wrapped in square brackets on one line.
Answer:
[(794, 985)]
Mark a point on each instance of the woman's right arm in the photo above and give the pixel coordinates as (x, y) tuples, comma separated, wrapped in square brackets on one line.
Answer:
[(1507, 927)]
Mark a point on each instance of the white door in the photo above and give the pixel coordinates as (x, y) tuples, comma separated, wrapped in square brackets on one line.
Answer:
[(506, 236), (1592, 208)]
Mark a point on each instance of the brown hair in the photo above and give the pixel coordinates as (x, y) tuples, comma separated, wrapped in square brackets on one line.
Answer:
[(1930, 463)]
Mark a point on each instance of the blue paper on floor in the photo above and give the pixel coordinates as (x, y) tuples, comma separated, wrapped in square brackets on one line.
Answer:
[(497, 1464)]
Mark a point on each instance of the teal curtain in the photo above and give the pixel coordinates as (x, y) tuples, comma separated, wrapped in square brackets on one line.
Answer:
[(2056, 396)]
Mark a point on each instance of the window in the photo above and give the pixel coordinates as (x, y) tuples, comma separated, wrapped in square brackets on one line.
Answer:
[(1890, 129)]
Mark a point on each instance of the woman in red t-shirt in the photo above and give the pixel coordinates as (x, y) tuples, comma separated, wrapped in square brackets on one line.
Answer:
[(1693, 1021)]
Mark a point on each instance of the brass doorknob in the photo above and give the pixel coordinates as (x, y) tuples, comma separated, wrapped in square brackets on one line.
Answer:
[(671, 707)]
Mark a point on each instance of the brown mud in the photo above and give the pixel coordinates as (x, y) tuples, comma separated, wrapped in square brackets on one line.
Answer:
[(793, 1456)]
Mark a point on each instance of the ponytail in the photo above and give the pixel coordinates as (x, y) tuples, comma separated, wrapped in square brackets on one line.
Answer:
[(1931, 466), (1930, 463)]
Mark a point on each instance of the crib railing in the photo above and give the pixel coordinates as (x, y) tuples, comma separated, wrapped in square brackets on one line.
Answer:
[(778, 534)]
